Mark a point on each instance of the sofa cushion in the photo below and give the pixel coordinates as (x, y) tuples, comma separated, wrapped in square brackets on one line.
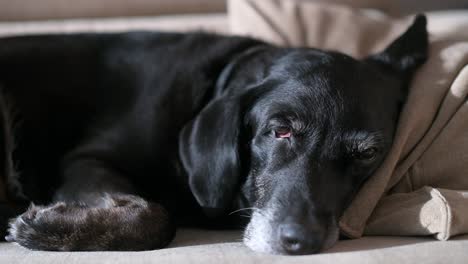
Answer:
[(216, 247)]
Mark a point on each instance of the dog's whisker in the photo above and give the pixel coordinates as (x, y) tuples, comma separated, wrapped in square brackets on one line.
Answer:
[(243, 209), (246, 216)]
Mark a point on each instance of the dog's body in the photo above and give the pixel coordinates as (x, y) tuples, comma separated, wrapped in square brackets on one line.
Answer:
[(126, 134), (116, 102)]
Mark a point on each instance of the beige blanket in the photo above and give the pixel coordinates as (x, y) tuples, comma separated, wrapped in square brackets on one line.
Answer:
[(422, 186)]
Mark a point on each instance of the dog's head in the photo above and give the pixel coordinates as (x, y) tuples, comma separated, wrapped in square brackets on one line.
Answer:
[(293, 135)]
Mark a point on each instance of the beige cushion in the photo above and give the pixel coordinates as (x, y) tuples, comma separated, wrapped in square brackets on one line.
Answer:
[(357, 32), (223, 247), (57, 9), (216, 22)]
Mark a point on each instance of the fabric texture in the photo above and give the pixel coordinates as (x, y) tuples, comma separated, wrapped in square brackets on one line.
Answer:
[(224, 247), (59, 9), (400, 7), (422, 186), (20, 10), (216, 22)]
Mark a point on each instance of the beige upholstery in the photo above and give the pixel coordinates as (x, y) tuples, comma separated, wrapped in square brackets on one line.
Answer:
[(399, 7), (357, 32), (216, 22), (211, 247), (58, 9)]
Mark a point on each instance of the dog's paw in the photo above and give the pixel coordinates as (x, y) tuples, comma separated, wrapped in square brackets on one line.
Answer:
[(124, 223)]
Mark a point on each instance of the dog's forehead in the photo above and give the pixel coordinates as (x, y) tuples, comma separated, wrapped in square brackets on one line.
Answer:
[(300, 62), (320, 74), (315, 78), (308, 79), (327, 88)]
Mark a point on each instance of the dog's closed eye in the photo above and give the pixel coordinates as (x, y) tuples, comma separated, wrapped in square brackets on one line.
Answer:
[(285, 126), (366, 155), (364, 148), (283, 132)]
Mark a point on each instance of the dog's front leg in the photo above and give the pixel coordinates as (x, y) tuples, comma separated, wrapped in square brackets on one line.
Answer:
[(95, 209)]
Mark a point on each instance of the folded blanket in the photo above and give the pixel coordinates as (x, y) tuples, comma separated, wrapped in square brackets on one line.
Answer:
[(422, 186)]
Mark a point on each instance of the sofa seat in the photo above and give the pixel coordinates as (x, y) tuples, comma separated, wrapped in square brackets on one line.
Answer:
[(205, 246)]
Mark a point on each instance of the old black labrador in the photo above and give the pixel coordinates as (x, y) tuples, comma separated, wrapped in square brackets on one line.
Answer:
[(120, 138)]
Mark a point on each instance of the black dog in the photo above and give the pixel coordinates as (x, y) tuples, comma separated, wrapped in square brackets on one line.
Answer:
[(125, 136)]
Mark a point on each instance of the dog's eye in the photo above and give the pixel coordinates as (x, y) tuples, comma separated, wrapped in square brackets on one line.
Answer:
[(366, 155), (283, 132)]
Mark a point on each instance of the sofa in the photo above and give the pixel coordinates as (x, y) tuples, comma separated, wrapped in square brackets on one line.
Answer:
[(21, 17)]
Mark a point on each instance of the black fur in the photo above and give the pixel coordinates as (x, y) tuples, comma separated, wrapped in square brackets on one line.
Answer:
[(124, 135)]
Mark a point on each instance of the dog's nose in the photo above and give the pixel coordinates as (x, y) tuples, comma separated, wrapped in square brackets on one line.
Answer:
[(296, 240)]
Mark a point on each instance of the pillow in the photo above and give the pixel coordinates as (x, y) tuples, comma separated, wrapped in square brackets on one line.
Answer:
[(400, 7), (357, 32), (307, 23)]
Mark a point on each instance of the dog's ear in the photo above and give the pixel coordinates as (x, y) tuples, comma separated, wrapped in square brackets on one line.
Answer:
[(408, 51), (209, 151)]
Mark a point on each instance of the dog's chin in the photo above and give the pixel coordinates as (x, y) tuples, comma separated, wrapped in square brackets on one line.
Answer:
[(259, 236)]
